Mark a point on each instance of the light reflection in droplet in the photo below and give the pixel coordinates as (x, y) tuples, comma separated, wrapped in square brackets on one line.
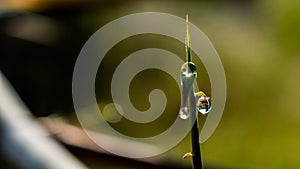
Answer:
[(184, 113), (203, 103)]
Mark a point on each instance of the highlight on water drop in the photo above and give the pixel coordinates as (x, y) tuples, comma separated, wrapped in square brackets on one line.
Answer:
[(184, 113)]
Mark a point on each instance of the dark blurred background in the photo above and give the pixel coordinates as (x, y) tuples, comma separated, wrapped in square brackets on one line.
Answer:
[(257, 41)]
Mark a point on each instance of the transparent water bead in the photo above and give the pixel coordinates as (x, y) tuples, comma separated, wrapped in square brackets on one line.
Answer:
[(187, 78), (203, 104), (184, 113)]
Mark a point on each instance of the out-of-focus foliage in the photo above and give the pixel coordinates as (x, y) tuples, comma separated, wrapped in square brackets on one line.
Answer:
[(283, 18), (258, 43)]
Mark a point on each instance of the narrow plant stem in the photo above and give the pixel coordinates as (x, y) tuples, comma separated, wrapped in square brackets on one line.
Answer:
[(196, 151), (196, 157), (197, 161), (187, 40)]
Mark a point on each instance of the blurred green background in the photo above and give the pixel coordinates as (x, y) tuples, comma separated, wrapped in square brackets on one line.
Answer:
[(257, 41)]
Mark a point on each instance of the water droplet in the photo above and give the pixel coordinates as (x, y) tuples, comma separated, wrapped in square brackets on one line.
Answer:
[(203, 105), (184, 113)]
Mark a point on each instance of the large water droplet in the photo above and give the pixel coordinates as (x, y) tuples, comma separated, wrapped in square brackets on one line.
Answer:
[(203, 105), (184, 113)]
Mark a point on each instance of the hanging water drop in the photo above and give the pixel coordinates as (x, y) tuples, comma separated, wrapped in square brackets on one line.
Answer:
[(184, 113), (203, 104), (187, 77)]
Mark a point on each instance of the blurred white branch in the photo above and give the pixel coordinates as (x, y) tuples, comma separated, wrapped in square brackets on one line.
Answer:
[(23, 141)]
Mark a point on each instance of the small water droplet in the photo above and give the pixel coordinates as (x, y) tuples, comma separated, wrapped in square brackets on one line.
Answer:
[(203, 105), (184, 113)]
